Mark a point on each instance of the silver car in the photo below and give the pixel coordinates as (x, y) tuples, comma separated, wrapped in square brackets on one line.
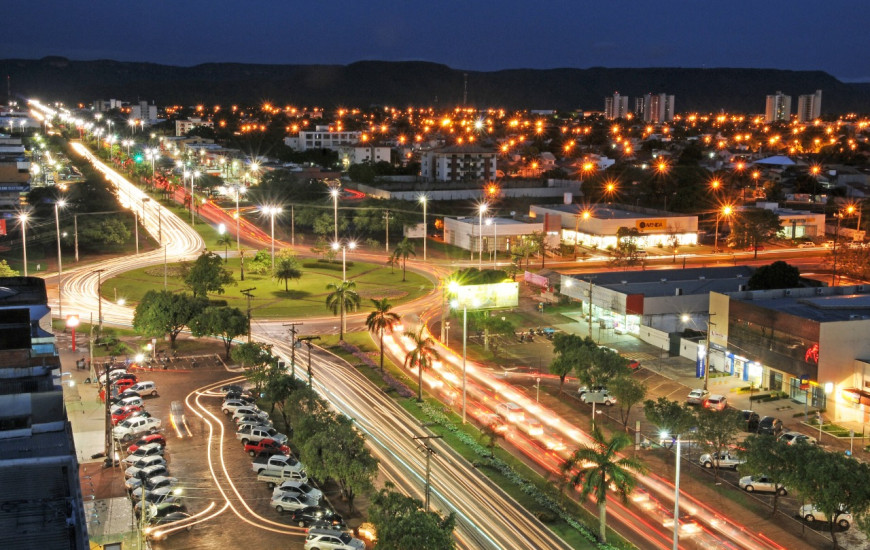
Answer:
[(762, 484), (810, 513)]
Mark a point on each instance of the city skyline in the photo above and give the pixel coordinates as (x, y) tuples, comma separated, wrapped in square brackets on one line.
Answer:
[(478, 37)]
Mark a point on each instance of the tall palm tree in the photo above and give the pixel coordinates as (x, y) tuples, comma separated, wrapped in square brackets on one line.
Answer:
[(225, 240), (598, 467), (287, 268), (422, 355), (342, 298), (381, 320), (404, 249)]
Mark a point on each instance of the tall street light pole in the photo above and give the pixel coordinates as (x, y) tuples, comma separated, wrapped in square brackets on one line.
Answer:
[(424, 200), (480, 210), (726, 211), (59, 204), (344, 246), (676, 494), (23, 220), (272, 211), (334, 192), (99, 273)]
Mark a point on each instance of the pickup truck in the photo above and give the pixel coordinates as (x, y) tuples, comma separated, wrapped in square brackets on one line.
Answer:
[(274, 478), (266, 447), (276, 463), (255, 434), (723, 460)]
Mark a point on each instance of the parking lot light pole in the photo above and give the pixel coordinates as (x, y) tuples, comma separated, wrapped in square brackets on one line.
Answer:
[(664, 435)]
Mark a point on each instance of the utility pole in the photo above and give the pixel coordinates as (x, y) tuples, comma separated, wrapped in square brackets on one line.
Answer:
[(292, 330), (307, 340), (293, 225), (76, 234), (248, 295), (707, 351), (429, 452), (99, 273), (387, 240)]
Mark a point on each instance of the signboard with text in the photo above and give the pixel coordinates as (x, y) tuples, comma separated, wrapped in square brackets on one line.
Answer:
[(647, 226), (491, 296)]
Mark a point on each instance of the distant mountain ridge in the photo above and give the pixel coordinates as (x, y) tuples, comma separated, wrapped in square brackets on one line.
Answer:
[(416, 83)]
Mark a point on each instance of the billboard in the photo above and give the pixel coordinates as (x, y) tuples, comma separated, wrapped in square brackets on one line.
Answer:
[(417, 231), (651, 225), (491, 296)]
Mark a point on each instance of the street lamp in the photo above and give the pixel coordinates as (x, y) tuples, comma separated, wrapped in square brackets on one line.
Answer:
[(424, 200), (59, 204), (222, 229), (193, 175), (726, 211), (664, 435), (272, 211), (480, 210), (334, 192), (850, 209), (455, 305), (343, 246), (72, 322), (492, 222), (22, 218)]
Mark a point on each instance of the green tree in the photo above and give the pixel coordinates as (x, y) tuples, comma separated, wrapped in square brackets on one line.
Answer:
[(279, 387), (162, 312), (493, 325), (6, 271), (627, 252), (598, 467), (261, 263), (381, 320), (776, 275), (628, 392), (422, 355), (404, 249), (225, 240), (717, 431), (753, 227), (670, 417), (286, 268), (100, 233), (226, 323), (402, 523), (342, 297), (207, 274), (766, 456)]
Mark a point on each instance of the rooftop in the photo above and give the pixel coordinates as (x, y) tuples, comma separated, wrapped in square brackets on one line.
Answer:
[(665, 283), (825, 308), (608, 213)]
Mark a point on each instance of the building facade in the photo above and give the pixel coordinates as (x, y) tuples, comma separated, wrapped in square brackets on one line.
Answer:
[(322, 137), (658, 108), (809, 107), (182, 127), (777, 108), (143, 112), (458, 163), (500, 234), (616, 107)]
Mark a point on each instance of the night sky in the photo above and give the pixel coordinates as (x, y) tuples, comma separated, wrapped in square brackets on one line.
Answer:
[(482, 35)]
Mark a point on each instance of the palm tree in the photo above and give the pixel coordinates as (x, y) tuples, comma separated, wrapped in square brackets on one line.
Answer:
[(404, 249), (287, 268), (342, 298), (225, 240), (605, 469), (381, 320), (422, 355)]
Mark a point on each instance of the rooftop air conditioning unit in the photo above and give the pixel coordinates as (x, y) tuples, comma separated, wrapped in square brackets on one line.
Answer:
[(664, 280), (741, 288), (701, 278), (788, 292), (819, 291), (678, 292)]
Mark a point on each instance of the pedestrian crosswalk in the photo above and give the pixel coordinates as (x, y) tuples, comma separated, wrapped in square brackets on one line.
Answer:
[(638, 356)]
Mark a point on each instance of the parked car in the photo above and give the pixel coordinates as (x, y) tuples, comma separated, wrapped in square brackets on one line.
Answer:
[(750, 420), (583, 389), (697, 397), (312, 493), (249, 399), (155, 486), (266, 447), (147, 473), (142, 463), (132, 427), (252, 419), (127, 401), (230, 406), (231, 388), (145, 388), (250, 410), (762, 484), (809, 512), (163, 527), (143, 451), (321, 516), (163, 509), (145, 440), (795, 438), (716, 402), (602, 397), (323, 539), (259, 433), (722, 460), (770, 426), (289, 501), (806, 244), (122, 413)]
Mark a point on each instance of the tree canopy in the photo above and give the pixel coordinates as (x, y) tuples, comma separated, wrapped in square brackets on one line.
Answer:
[(779, 274), (226, 323), (401, 523), (208, 274), (162, 312)]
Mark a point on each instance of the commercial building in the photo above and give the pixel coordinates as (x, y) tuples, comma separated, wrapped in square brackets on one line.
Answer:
[(597, 226), (809, 107), (652, 304), (493, 233), (458, 163), (616, 107), (808, 342), (777, 108), (182, 127), (796, 224), (322, 137), (39, 482), (658, 108), (143, 112)]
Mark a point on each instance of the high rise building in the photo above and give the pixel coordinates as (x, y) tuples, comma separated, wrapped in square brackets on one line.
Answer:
[(809, 106), (658, 108), (638, 107), (778, 108), (144, 112), (615, 107)]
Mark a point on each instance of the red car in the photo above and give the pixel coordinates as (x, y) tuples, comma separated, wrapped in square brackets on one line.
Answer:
[(266, 447), (124, 412), (145, 440)]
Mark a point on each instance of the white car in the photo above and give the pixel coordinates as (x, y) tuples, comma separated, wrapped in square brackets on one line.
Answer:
[(697, 397), (231, 405), (132, 427), (159, 485), (250, 410), (145, 450), (330, 539), (143, 464), (762, 484), (810, 513), (794, 438), (722, 460), (314, 495), (145, 388), (289, 501)]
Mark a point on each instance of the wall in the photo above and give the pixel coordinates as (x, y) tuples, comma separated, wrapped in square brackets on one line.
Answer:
[(657, 338), (840, 344)]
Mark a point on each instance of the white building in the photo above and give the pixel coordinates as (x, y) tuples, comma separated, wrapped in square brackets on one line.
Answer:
[(596, 226), (616, 107), (796, 224), (182, 127), (322, 137), (658, 108), (497, 233), (458, 163), (144, 112), (809, 106), (361, 154), (777, 108)]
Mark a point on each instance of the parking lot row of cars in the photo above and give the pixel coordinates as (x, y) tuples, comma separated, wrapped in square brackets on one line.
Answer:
[(274, 464)]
